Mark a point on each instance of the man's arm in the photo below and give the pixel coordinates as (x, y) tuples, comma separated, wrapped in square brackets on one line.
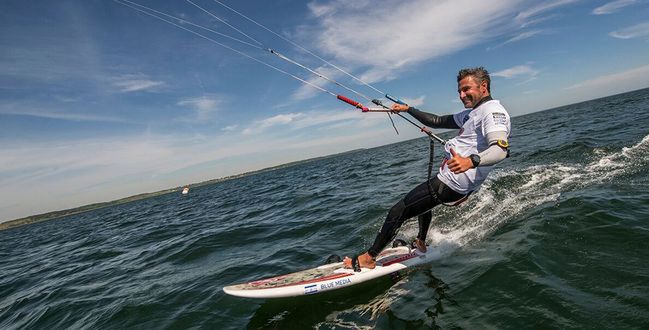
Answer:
[(497, 150), (433, 120), (428, 119)]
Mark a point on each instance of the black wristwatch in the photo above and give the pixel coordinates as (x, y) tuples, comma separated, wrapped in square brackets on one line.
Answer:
[(475, 159)]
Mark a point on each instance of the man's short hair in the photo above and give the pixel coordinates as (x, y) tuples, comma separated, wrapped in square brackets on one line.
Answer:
[(480, 74)]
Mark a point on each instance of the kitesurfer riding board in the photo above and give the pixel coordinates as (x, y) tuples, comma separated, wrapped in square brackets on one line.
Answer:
[(482, 142)]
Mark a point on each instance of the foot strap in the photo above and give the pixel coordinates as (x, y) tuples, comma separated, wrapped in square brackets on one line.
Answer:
[(355, 264)]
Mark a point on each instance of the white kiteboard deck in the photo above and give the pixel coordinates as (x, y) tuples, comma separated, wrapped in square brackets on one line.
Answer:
[(331, 276)]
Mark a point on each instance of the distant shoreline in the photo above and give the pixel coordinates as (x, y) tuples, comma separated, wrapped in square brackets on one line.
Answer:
[(90, 207)]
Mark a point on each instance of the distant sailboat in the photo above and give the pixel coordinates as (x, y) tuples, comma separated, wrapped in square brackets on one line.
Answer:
[(185, 190)]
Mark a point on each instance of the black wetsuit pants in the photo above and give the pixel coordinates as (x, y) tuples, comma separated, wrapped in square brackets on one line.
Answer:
[(417, 202)]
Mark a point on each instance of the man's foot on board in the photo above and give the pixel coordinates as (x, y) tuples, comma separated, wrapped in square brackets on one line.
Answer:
[(364, 261), (420, 245)]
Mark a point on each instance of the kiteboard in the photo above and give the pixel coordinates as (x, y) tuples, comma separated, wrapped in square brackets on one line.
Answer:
[(331, 276)]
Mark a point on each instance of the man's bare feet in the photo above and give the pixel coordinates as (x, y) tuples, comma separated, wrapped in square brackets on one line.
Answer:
[(364, 260), (421, 245)]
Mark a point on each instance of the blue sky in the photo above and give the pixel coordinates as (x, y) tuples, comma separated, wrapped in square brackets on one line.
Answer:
[(99, 101)]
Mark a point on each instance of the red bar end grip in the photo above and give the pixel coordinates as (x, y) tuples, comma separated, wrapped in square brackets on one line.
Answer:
[(347, 100)]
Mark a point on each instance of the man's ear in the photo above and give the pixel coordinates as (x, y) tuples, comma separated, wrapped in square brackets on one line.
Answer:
[(483, 86)]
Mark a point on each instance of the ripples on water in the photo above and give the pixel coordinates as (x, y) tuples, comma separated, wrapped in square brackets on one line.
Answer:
[(558, 237)]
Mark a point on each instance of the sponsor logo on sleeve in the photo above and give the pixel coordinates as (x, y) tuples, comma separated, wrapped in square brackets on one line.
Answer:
[(499, 118)]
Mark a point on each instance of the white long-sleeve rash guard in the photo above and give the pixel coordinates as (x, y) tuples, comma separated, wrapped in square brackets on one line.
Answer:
[(494, 154)]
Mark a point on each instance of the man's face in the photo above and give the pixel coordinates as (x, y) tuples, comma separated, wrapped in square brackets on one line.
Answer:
[(471, 92)]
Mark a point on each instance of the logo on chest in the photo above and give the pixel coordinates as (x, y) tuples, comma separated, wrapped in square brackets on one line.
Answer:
[(464, 120)]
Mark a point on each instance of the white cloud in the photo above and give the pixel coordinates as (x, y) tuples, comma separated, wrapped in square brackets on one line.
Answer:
[(79, 117), (281, 119), (135, 83), (301, 120), (521, 36), (387, 39), (320, 9), (230, 128), (524, 35), (624, 81), (613, 7), (205, 106), (350, 114), (415, 102), (538, 20), (52, 112), (531, 15), (517, 71), (200, 103), (277, 120), (635, 31)]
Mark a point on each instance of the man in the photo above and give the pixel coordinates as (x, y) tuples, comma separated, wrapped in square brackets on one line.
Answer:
[(469, 157)]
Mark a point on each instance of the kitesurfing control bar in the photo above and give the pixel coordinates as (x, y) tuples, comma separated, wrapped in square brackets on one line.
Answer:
[(352, 102), (427, 131)]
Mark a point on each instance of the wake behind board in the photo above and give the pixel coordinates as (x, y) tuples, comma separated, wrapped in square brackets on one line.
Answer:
[(330, 277)]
